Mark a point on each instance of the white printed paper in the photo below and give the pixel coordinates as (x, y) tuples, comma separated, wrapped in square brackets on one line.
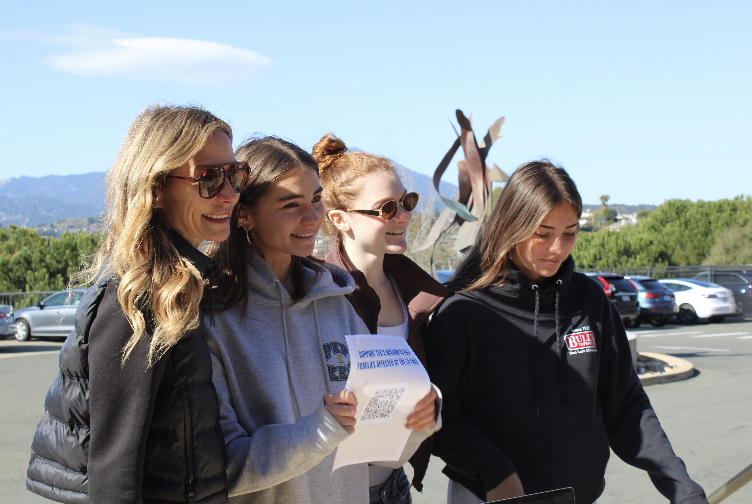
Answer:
[(382, 403), (388, 380)]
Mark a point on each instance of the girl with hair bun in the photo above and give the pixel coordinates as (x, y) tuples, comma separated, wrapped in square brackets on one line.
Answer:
[(279, 354), (368, 211), (534, 362)]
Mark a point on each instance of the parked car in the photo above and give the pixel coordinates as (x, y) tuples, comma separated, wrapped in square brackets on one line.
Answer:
[(738, 281), (621, 293), (698, 299), (7, 322), (657, 302), (51, 317)]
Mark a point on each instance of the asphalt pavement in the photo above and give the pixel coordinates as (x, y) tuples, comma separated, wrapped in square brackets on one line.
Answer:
[(708, 418)]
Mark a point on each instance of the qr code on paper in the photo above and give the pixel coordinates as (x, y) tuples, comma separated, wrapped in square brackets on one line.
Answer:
[(383, 403)]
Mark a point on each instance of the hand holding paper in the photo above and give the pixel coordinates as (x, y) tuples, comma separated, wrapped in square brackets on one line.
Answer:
[(342, 406), (424, 417), (389, 382)]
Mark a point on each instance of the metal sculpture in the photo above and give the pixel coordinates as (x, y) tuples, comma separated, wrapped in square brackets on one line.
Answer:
[(475, 186)]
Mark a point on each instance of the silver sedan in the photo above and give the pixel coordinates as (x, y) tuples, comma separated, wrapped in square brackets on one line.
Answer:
[(53, 316)]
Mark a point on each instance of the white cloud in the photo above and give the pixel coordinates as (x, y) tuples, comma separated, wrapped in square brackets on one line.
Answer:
[(96, 51)]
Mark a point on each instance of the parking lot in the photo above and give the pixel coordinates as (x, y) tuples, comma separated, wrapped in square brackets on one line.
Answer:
[(708, 417)]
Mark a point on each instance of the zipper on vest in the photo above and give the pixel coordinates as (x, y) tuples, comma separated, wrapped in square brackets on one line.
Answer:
[(188, 440)]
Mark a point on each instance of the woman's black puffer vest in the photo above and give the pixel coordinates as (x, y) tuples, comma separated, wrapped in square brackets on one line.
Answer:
[(182, 456)]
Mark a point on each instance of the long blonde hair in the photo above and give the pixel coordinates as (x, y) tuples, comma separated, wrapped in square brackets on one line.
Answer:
[(154, 278), (533, 190)]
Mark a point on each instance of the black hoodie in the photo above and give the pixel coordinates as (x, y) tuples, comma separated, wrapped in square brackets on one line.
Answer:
[(546, 407)]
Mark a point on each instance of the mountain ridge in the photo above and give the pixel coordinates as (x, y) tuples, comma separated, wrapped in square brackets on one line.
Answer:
[(39, 201)]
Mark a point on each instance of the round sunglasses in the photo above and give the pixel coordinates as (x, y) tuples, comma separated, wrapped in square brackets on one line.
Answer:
[(211, 182), (389, 209)]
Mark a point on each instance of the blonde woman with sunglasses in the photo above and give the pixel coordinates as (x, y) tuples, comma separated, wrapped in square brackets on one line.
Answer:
[(368, 211), (133, 415)]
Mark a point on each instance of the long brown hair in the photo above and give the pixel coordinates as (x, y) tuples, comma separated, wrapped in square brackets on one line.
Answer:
[(136, 247), (341, 174), (533, 190), (269, 158)]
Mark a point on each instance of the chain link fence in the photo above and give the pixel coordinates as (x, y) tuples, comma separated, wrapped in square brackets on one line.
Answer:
[(737, 278)]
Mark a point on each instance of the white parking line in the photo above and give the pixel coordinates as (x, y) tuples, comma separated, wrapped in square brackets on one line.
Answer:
[(744, 337), (656, 334), (26, 354), (715, 335), (692, 348), (651, 331)]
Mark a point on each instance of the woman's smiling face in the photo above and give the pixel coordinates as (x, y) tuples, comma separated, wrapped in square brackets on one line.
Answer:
[(541, 255), (285, 220), (196, 218), (369, 233)]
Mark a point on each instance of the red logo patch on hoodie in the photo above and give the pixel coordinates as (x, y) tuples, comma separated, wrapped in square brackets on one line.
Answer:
[(581, 341)]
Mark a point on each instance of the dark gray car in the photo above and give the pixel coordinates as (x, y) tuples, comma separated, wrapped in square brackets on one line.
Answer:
[(621, 293), (657, 302), (52, 317), (7, 324)]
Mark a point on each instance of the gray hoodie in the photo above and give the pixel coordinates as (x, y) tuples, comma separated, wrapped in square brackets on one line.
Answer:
[(271, 370)]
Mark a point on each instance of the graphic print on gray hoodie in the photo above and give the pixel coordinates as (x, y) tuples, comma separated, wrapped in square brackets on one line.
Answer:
[(271, 370)]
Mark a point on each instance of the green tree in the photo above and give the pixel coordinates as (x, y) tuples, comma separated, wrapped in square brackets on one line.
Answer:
[(29, 262), (732, 246), (679, 232)]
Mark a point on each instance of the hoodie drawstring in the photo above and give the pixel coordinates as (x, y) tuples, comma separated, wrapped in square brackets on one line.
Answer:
[(562, 355), (287, 346), (321, 350), (536, 351)]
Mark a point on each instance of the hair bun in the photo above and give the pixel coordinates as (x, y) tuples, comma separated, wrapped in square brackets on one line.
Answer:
[(328, 150)]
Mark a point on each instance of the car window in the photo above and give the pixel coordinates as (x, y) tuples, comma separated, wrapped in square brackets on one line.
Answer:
[(732, 277), (621, 284), (56, 299), (76, 298), (675, 286), (651, 284), (702, 284)]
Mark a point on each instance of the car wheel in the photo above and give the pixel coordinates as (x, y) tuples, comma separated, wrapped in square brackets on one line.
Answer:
[(635, 323), (659, 321), (716, 320), (23, 333), (687, 314)]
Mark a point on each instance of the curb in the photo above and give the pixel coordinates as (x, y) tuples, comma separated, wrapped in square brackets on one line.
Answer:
[(680, 369)]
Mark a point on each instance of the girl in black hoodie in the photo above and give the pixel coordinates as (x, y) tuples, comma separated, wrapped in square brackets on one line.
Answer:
[(534, 363)]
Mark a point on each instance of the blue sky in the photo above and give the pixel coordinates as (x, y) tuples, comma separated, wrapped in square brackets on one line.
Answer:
[(642, 100)]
